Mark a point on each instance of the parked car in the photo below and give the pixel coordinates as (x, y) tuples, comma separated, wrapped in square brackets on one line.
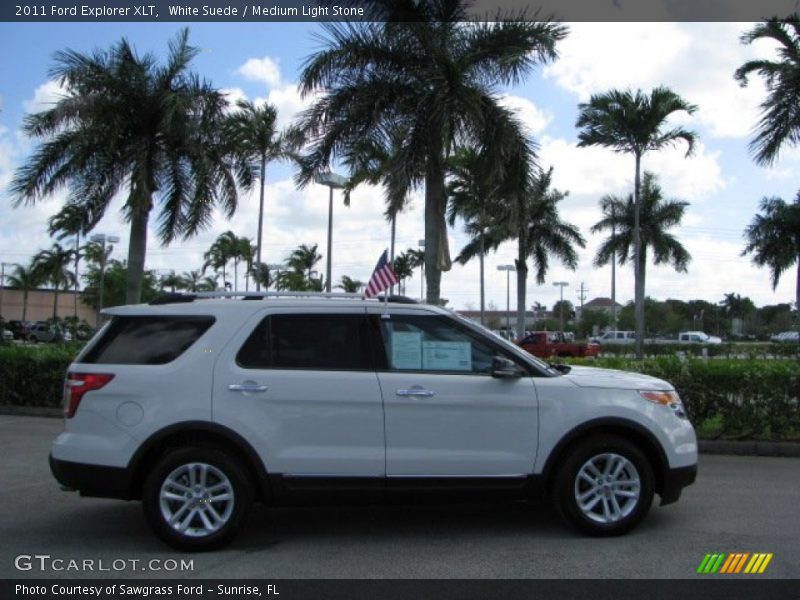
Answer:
[(615, 337), (546, 344), (6, 334), (200, 407), (786, 337), (698, 337), (20, 329), (43, 332)]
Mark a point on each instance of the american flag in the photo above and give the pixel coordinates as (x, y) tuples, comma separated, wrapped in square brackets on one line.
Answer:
[(382, 277)]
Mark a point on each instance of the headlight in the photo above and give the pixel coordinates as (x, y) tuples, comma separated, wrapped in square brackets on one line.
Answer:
[(669, 399)]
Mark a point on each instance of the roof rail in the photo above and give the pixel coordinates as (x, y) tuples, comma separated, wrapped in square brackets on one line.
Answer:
[(191, 297)]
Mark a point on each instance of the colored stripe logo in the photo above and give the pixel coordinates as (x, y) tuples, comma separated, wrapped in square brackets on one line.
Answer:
[(734, 563)]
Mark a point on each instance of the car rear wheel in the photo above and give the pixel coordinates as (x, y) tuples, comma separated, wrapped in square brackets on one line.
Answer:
[(605, 486), (196, 498)]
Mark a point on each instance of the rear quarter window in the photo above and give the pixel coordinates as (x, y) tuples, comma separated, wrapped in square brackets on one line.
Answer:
[(147, 340)]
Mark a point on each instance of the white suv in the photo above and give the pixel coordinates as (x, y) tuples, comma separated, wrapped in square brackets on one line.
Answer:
[(199, 407)]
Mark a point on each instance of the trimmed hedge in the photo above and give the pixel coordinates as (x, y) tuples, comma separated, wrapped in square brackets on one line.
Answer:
[(726, 350), (733, 398), (729, 398), (34, 375)]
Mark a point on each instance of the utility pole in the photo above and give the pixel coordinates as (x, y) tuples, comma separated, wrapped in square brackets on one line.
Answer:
[(562, 285), (582, 291)]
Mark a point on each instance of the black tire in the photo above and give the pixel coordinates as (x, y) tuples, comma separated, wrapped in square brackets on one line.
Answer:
[(604, 513), (224, 476)]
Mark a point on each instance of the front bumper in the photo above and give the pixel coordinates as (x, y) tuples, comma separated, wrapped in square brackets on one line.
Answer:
[(93, 480), (674, 482)]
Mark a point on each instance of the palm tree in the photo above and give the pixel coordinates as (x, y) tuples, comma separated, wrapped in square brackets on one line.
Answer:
[(403, 269), (252, 131), (77, 220), (427, 68), (656, 216), (736, 306), (220, 253), (171, 280), (416, 258), (51, 266), (350, 285), (126, 122), (473, 194), (780, 120), (191, 281), (245, 251), (773, 238), (303, 258), (634, 123), (207, 284), (25, 279), (531, 217)]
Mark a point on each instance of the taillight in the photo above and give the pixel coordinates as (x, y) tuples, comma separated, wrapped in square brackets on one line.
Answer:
[(77, 384)]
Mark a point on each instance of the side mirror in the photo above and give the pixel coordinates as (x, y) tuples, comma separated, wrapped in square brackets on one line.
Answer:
[(502, 368)]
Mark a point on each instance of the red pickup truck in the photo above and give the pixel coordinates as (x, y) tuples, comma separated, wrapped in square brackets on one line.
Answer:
[(546, 344)]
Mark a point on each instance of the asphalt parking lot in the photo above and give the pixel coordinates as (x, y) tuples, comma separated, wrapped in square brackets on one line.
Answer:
[(739, 504)]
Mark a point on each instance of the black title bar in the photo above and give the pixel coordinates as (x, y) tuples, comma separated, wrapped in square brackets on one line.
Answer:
[(368, 10)]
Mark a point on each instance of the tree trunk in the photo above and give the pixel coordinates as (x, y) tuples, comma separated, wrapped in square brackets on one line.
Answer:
[(638, 275), (141, 202), (482, 253), (55, 302), (77, 284), (25, 304), (260, 217), (434, 217), (522, 279)]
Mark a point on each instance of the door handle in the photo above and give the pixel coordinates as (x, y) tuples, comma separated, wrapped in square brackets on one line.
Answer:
[(416, 392), (247, 387)]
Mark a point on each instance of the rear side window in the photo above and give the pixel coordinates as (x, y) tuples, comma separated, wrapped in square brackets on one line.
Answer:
[(147, 340), (322, 342)]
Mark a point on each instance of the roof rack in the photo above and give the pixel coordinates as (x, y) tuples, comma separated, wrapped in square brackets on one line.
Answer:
[(191, 297)]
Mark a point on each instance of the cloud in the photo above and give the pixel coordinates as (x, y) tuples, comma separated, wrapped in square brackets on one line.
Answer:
[(44, 97), (264, 70), (533, 118), (696, 60), (596, 171)]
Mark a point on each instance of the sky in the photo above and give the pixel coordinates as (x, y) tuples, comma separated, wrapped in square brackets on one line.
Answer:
[(262, 62)]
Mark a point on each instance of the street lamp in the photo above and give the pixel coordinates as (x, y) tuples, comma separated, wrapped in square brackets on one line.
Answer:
[(102, 239), (507, 269), (562, 285), (332, 180), (421, 244)]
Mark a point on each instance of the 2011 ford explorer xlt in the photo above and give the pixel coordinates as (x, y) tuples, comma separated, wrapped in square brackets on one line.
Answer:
[(201, 406)]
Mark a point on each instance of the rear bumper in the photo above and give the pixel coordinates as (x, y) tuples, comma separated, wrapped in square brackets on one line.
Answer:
[(93, 480), (674, 482)]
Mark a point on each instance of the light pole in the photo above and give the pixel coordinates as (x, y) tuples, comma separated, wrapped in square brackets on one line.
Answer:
[(102, 239), (331, 180), (562, 285), (507, 269), (2, 284), (421, 245)]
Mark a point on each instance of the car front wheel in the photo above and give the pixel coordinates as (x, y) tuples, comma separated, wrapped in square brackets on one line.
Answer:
[(196, 498), (605, 486)]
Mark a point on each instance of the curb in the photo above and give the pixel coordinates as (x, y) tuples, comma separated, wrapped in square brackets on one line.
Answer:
[(749, 448), (724, 447), (32, 411)]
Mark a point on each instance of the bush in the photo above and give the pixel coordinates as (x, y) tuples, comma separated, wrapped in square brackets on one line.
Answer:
[(34, 375), (735, 398), (726, 350)]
